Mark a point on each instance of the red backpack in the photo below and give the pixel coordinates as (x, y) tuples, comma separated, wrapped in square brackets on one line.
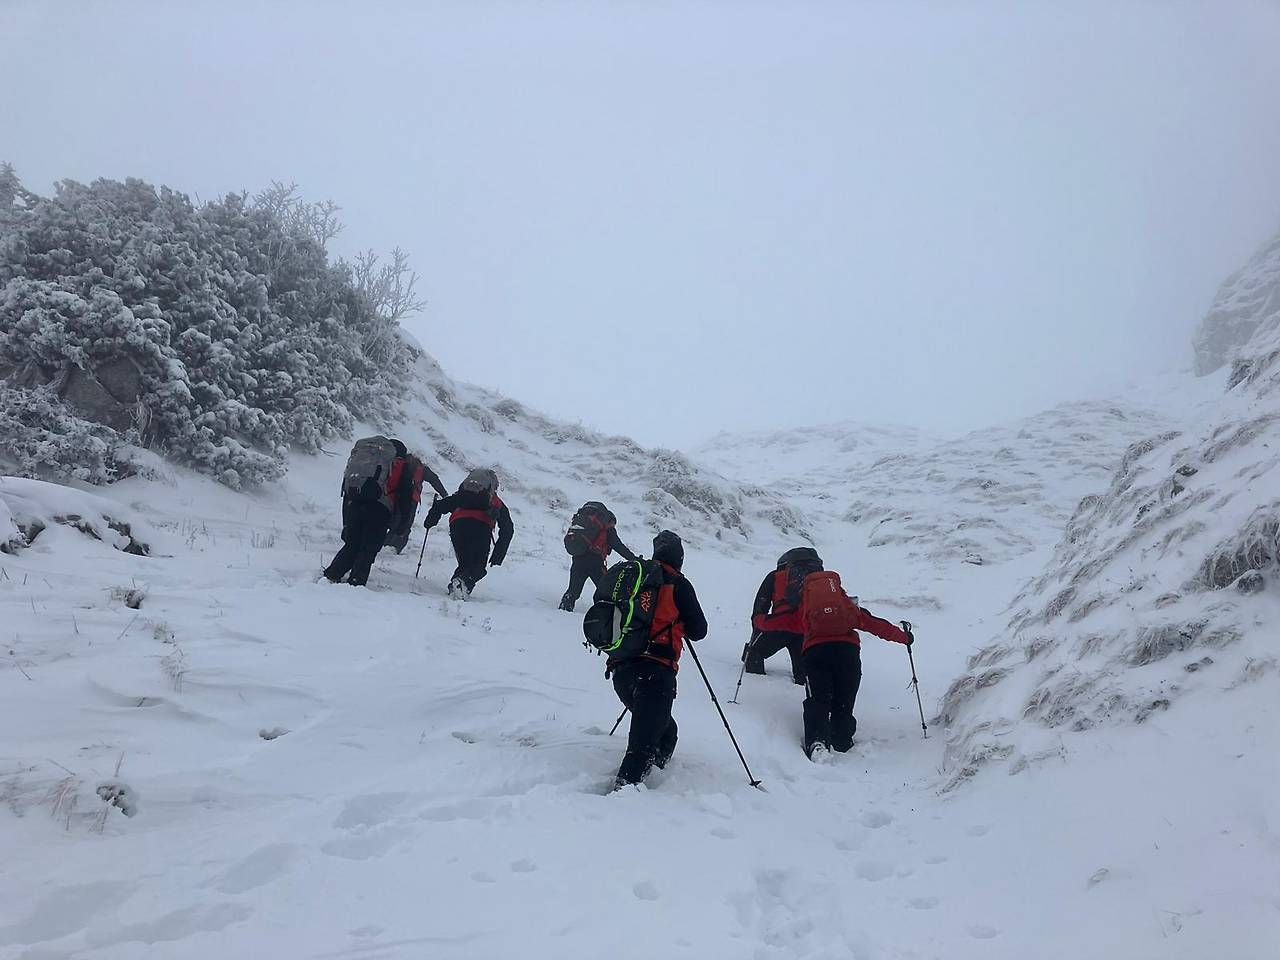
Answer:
[(826, 612)]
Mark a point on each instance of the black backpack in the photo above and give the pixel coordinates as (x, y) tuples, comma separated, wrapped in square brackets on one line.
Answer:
[(591, 520), (620, 620), (796, 564)]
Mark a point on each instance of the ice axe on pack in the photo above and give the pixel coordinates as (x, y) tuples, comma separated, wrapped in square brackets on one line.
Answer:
[(906, 628), (423, 552)]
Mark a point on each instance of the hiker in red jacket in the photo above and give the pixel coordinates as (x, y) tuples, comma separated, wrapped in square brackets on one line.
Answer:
[(592, 536), (775, 616), (474, 511), (830, 620), (382, 481)]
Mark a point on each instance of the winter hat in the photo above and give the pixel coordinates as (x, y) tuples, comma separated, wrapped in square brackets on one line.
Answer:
[(668, 549), (401, 449)]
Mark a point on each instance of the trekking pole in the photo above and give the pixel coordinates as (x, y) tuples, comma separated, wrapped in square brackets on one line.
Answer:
[(423, 553), (741, 673), (619, 720), (723, 719), (906, 626)]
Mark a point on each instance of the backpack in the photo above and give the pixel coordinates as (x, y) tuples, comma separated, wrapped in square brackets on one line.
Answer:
[(480, 480), (827, 612), (620, 620), (794, 565), (589, 530), (368, 472)]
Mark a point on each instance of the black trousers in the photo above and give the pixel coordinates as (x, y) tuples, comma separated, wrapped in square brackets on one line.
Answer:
[(471, 544), (364, 528), (648, 690), (774, 641), (833, 672), (588, 566)]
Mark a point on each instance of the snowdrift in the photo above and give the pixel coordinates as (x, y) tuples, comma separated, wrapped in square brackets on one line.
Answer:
[(1161, 594)]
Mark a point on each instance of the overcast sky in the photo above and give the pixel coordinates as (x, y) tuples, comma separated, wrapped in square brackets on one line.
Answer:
[(666, 219)]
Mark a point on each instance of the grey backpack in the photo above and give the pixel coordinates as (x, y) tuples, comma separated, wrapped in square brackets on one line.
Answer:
[(480, 480), (369, 470)]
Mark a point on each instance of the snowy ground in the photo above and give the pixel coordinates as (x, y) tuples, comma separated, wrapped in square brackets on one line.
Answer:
[(330, 772)]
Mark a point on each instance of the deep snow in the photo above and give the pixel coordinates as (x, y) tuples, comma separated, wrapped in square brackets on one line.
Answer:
[(325, 771)]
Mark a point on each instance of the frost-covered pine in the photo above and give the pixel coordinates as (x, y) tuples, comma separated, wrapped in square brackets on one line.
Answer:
[(248, 339)]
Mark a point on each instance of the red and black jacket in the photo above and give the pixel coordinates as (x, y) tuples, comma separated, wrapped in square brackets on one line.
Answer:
[(476, 508), (678, 617), (864, 621), (772, 612)]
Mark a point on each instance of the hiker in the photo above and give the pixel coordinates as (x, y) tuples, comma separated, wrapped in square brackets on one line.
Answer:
[(474, 511), (775, 617), (830, 621), (408, 496), (592, 536), (662, 612), (373, 483)]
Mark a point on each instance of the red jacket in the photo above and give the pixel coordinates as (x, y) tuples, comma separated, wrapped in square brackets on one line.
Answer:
[(864, 621), (772, 612)]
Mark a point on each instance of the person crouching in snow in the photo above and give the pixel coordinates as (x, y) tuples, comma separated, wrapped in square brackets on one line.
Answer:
[(474, 511), (832, 661)]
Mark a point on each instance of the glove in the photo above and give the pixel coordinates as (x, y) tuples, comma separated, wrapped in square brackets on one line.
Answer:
[(906, 628)]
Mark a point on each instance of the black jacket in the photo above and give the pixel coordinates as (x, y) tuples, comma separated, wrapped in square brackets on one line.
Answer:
[(617, 546), (490, 503)]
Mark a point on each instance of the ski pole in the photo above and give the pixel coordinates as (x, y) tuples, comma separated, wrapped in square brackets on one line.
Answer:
[(906, 626), (619, 720), (741, 673), (423, 552), (723, 719)]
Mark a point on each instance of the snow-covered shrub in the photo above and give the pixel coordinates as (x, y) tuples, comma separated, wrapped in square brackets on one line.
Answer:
[(41, 437), (248, 339)]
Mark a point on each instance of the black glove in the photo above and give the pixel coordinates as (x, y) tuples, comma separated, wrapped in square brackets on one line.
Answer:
[(906, 628)]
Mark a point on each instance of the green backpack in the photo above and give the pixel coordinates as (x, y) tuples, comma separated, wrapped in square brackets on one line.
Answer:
[(620, 620)]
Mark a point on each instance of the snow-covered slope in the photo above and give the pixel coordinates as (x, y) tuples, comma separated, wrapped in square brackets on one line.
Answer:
[(1159, 597), (990, 496), (549, 468), (323, 771)]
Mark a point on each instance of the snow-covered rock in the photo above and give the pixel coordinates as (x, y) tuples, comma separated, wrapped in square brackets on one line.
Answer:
[(1244, 302), (1162, 591)]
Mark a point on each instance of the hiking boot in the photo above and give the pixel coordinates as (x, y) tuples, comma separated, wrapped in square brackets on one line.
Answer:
[(757, 667), (818, 752), (566, 605), (458, 589)]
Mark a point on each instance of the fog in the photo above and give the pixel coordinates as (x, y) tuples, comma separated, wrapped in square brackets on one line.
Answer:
[(669, 219)]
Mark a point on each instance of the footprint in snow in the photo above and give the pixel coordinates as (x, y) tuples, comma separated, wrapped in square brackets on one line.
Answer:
[(980, 931), (873, 870), (645, 890), (523, 866), (481, 876), (723, 833), (936, 859), (978, 830), (923, 903), (875, 819)]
